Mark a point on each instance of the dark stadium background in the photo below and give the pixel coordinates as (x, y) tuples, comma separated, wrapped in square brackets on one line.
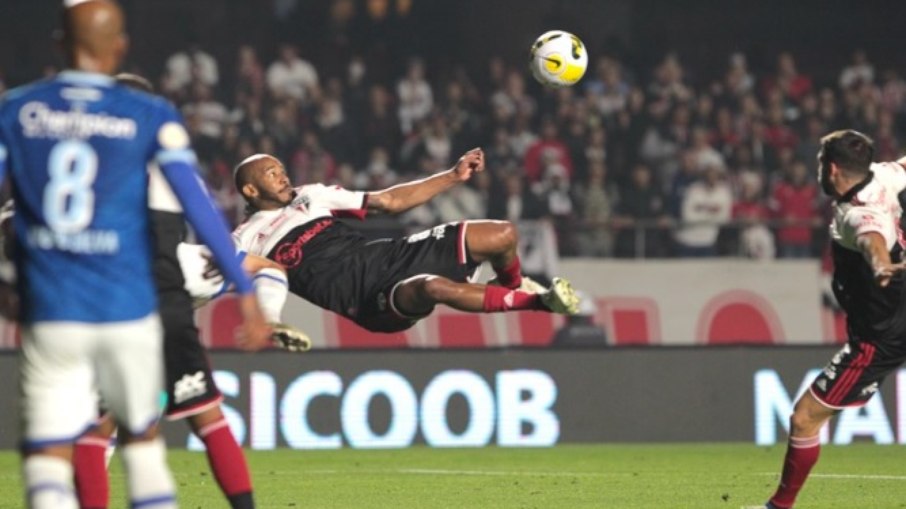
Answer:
[(704, 32)]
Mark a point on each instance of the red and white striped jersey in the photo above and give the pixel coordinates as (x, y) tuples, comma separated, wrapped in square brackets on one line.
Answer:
[(264, 229)]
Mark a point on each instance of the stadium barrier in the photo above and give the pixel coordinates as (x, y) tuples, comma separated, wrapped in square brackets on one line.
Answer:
[(665, 302), (518, 397)]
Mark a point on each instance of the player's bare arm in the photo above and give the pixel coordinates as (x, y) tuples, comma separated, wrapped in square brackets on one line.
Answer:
[(251, 264), (874, 249), (402, 197)]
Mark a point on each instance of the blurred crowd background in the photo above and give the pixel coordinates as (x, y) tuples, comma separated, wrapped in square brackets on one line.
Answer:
[(655, 153)]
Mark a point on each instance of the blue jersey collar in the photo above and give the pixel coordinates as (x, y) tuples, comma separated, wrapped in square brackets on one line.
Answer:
[(86, 78)]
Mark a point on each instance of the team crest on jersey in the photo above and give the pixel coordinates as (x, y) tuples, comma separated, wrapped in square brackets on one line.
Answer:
[(301, 200)]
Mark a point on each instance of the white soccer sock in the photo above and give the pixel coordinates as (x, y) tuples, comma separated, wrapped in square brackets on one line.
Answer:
[(48, 482), (149, 480), (271, 288)]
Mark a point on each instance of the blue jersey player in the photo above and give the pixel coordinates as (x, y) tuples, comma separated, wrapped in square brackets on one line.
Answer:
[(76, 148)]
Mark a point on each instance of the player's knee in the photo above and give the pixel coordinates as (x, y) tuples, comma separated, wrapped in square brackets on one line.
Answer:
[(507, 235), (437, 289), (803, 422)]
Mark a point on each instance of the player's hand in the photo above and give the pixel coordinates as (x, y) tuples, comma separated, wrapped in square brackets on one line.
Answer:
[(884, 274), (471, 161), (254, 333), (211, 271)]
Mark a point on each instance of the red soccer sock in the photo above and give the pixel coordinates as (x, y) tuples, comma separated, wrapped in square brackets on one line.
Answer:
[(227, 462), (90, 466), (801, 456), (498, 298), (511, 275)]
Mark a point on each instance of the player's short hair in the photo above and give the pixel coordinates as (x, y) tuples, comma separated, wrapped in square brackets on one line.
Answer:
[(849, 149), (241, 177), (134, 81)]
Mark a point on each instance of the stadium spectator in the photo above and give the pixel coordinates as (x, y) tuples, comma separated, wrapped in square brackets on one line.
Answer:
[(554, 190), (210, 113), (416, 100), (379, 128), (337, 135), (794, 202), (641, 216), (893, 92), (500, 153), (687, 175), (596, 202), (511, 98), (859, 71), (311, 162), (547, 151), (249, 72), (291, 76), (522, 137), (751, 213), (188, 66), (738, 81), (703, 153), (608, 91), (517, 201), (707, 205), (787, 79)]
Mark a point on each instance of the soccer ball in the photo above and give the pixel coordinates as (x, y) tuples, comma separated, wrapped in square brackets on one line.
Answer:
[(558, 59)]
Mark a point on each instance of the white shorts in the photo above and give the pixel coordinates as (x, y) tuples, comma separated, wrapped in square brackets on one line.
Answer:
[(193, 260), (63, 366)]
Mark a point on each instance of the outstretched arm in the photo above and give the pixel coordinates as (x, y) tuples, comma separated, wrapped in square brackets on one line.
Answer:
[(402, 197)]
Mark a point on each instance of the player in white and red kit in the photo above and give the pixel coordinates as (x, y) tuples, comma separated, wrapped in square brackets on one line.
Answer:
[(385, 285), (868, 245)]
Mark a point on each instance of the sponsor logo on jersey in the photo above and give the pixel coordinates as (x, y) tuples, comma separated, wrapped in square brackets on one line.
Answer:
[(289, 254), (189, 386), (38, 120)]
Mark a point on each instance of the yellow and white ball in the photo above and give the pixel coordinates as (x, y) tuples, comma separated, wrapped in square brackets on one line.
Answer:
[(558, 59)]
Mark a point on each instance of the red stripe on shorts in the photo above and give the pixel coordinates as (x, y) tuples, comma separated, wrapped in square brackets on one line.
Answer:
[(851, 374)]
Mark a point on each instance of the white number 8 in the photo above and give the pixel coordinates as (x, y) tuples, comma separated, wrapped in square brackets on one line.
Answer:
[(68, 197)]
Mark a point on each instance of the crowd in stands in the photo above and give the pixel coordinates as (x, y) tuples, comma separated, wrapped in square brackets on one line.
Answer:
[(630, 162)]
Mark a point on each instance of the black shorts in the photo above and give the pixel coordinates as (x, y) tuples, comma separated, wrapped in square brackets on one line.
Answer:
[(357, 279), (856, 372), (189, 384)]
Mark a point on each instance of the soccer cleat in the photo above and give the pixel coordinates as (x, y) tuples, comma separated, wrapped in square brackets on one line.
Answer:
[(290, 338), (527, 285), (560, 297)]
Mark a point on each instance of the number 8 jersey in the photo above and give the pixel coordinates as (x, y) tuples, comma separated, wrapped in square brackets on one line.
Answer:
[(76, 148)]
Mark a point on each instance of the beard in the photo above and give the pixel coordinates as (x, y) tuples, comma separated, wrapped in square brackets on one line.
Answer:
[(280, 199)]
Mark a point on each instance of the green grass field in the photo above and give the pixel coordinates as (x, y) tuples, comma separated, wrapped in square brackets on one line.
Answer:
[(575, 476)]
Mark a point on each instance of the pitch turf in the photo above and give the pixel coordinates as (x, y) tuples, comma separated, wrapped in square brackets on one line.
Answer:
[(574, 476)]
